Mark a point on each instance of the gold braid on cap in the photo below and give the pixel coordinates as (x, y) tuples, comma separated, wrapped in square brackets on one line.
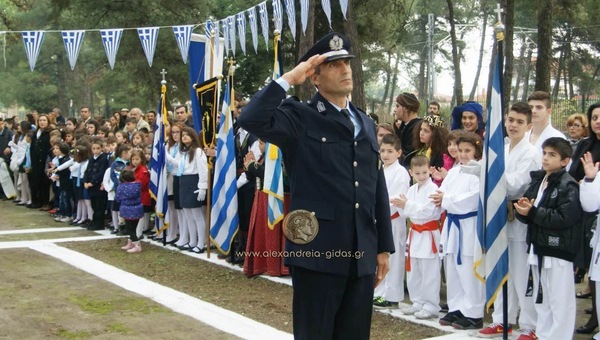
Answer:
[(436, 121)]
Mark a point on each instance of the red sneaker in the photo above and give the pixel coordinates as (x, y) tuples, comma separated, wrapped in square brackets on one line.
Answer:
[(527, 334), (493, 331)]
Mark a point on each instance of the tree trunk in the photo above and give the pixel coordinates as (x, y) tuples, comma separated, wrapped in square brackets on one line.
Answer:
[(458, 94), (527, 73), (358, 92), (480, 61), (387, 79), (393, 84), (561, 63), (509, 24), (519, 69), (306, 90), (544, 59)]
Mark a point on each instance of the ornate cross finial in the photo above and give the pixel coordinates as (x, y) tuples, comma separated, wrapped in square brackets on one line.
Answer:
[(499, 12), (163, 73)]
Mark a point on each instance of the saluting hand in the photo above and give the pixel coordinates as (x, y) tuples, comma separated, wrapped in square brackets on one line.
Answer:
[(303, 70)]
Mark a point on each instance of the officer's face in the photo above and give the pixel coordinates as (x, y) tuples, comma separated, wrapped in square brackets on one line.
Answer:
[(334, 78)]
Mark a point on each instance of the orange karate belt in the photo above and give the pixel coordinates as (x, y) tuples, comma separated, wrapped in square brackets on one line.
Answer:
[(419, 228)]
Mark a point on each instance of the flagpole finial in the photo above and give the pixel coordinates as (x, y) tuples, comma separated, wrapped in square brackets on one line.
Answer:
[(276, 32), (499, 27), (163, 73)]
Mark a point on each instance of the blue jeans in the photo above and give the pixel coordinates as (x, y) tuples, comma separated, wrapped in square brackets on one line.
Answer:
[(65, 203)]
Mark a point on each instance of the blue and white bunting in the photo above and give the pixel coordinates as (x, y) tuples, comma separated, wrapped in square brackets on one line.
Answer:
[(226, 35), (491, 256), (264, 22), (33, 44), (217, 40), (290, 9), (344, 6), (148, 37), (304, 14), (208, 26), (277, 15), (253, 27), (326, 4), (231, 28), (241, 26), (183, 34), (223, 215), (72, 41), (111, 38)]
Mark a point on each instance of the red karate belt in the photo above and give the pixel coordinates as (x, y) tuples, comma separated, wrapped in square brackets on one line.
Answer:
[(419, 228)]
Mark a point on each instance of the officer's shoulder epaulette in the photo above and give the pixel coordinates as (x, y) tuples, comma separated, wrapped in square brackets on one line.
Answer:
[(292, 99)]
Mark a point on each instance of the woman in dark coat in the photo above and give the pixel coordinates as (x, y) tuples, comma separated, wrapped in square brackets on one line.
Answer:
[(39, 151)]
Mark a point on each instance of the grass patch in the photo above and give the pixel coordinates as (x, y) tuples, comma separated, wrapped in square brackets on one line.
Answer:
[(128, 305), (46, 236), (118, 328), (63, 333)]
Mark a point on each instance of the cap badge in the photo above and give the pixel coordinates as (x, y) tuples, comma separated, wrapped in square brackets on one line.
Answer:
[(336, 43)]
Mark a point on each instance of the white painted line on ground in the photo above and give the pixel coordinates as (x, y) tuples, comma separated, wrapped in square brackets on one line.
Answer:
[(214, 316), (39, 230)]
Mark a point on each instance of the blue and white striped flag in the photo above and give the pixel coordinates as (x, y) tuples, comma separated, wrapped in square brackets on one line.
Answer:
[(273, 185), (217, 40), (491, 258), (226, 35), (224, 216), (327, 9), (208, 26), (148, 37), (111, 39), (33, 44), (264, 22), (241, 26), (290, 9), (304, 14), (253, 27), (231, 28), (72, 41), (344, 6), (158, 165), (183, 34), (277, 15)]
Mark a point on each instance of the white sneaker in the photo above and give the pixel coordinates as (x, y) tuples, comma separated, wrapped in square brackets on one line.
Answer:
[(423, 314), (58, 218), (410, 310), (66, 219)]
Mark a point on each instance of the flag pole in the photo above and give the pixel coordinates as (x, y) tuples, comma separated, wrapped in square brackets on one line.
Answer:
[(499, 32), (212, 144)]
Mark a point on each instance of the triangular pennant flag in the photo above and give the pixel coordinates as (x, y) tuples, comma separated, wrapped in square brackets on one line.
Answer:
[(304, 14), (111, 39), (182, 35), (217, 28), (290, 9), (33, 43), (208, 26), (241, 26), (226, 35), (231, 27), (264, 21), (327, 9), (344, 5), (72, 40), (148, 36), (253, 27), (277, 15)]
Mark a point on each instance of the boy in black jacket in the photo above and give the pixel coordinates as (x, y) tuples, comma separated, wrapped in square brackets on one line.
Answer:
[(551, 209), (94, 174)]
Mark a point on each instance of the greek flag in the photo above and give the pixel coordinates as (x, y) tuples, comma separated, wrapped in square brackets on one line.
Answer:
[(217, 39), (253, 27), (33, 44), (148, 36), (231, 27), (264, 21), (277, 15), (304, 14), (273, 185), (182, 35), (223, 216), (290, 9), (208, 26), (491, 258), (226, 35), (111, 39), (344, 5), (158, 164), (327, 9), (241, 26), (72, 41)]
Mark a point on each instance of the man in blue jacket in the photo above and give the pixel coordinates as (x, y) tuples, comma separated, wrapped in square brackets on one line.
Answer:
[(332, 158)]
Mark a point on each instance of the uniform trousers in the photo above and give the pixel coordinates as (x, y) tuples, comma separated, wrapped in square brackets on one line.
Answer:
[(597, 283), (423, 282), (329, 306), (98, 207), (392, 286), (556, 314), (518, 269), (25, 189), (196, 224), (465, 291)]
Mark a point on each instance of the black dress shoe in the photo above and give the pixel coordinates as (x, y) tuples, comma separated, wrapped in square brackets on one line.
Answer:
[(588, 311), (585, 329), (173, 242)]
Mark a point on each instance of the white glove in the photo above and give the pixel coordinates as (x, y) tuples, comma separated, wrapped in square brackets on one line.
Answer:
[(472, 168), (201, 194)]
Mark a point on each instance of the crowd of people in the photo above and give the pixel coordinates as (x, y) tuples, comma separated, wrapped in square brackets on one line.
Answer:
[(96, 172)]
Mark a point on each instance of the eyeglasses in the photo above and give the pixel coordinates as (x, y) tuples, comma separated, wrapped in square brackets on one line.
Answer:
[(175, 132), (574, 125)]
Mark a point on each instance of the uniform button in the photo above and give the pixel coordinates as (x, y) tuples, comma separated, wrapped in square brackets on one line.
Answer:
[(355, 164), (356, 205), (355, 143), (356, 184), (323, 139)]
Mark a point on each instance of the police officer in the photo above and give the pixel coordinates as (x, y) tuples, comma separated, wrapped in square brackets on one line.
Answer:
[(331, 154)]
